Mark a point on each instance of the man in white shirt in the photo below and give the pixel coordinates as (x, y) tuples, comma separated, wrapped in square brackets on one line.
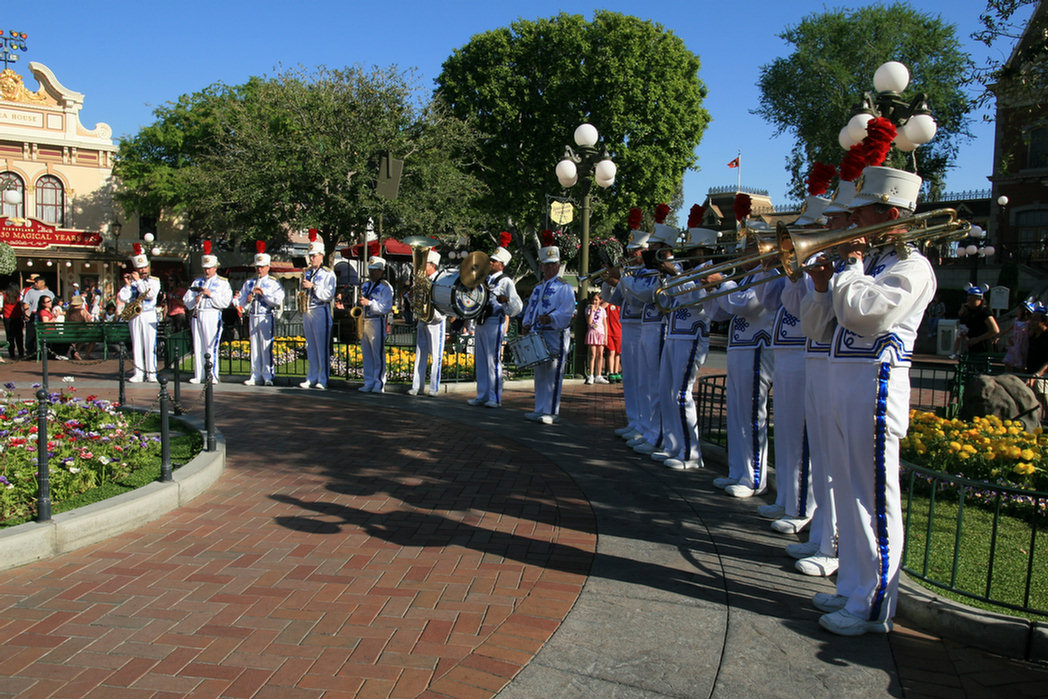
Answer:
[(206, 298)]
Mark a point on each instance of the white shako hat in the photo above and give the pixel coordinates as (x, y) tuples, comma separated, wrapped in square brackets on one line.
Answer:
[(433, 257), (139, 259), (841, 201), (701, 238), (664, 233), (376, 262), (208, 260), (316, 243), (886, 185), (812, 210), (638, 238), (502, 253), (548, 252), (261, 258)]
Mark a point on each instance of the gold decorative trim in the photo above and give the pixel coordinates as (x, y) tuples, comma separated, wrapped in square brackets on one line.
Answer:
[(12, 89)]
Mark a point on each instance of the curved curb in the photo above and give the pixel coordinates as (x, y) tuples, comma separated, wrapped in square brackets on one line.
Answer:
[(1005, 635), (34, 541)]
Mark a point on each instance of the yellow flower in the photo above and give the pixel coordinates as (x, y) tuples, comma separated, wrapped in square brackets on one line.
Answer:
[(1028, 455), (1024, 469)]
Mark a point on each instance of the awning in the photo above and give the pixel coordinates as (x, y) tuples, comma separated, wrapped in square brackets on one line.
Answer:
[(391, 248)]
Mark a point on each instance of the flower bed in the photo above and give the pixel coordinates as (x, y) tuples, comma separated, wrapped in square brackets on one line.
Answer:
[(998, 451), (89, 444)]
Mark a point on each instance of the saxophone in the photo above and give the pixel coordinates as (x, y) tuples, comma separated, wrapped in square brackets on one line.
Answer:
[(131, 309), (422, 287)]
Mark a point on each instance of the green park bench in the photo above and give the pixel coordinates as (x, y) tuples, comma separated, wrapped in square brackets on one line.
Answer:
[(81, 333)]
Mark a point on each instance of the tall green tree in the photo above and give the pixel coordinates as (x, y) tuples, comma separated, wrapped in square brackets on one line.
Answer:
[(301, 150), (527, 86), (812, 93)]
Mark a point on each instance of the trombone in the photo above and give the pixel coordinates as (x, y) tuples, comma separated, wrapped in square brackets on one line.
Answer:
[(792, 248)]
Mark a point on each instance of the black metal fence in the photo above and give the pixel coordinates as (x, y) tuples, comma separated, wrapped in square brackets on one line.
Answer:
[(976, 539)]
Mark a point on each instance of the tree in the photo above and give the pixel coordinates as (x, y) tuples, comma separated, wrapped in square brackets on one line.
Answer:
[(527, 86), (302, 150), (1021, 79), (812, 92)]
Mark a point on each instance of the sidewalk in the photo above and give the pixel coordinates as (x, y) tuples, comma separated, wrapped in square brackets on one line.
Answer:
[(382, 545)]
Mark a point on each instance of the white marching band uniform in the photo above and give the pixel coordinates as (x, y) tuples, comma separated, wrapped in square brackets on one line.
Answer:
[(143, 326), (316, 324), (556, 298), (878, 308), (750, 366), (684, 351), (489, 335), (373, 343), (641, 364), (207, 320), (260, 312), (429, 344), (792, 465)]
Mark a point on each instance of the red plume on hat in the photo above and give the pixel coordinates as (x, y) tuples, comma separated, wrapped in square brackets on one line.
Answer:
[(819, 178), (260, 246), (547, 238), (312, 235), (661, 212), (207, 247), (505, 238), (880, 133), (137, 247), (695, 216), (636, 218), (743, 205), (853, 162)]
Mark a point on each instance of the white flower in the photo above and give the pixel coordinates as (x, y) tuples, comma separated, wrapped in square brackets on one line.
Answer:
[(68, 379), (74, 469), (103, 460), (10, 486)]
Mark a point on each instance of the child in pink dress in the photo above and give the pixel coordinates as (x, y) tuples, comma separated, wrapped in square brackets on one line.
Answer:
[(596, 334)]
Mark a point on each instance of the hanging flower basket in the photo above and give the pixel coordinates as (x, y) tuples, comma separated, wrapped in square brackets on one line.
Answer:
[(8, 262)]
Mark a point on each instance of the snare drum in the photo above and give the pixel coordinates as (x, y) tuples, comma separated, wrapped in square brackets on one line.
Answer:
[(452, 298), (529, 350)]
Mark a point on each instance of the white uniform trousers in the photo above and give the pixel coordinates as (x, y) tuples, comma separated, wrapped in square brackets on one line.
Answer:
[(373, 352), (792, 470), (488, 358), (649, 349), (549, 376), (678, 368), (207, 331), (629, 358), (817, 410), (870, 404), (143, 344), (429, 344), (261, 336), (316, 326), (748, 384)]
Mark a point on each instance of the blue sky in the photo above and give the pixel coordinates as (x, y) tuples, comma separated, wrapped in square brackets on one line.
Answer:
[(129, 57)]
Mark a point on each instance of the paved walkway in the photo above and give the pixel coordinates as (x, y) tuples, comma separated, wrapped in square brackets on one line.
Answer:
[(385, 546)]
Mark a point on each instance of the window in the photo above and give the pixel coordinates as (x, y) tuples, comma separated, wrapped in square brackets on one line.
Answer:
[(50, 200), (1032, 227), (9, 180), (1037, 153)]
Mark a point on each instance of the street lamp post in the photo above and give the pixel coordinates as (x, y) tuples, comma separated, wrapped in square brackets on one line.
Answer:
[(912, 118), (975, 246), (589, 159), (114, 227)]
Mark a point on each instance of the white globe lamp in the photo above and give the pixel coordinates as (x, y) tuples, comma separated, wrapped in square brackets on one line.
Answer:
[(891, 77), (920, 128), (586, 135), (857, 126)]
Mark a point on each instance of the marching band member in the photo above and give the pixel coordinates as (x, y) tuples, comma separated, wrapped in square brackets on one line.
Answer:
[(794, 502), (260, 298), (206, 298), (651, 330), (376, 297), (878, 300), (319, 283), (549, 312), (684, 351), (429, 342), (503, 303), (818, 555), (139, 285), (630, 292), (750, 365)]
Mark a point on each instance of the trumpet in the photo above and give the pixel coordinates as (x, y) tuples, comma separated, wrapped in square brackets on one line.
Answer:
[(733, 269), (791, 248)]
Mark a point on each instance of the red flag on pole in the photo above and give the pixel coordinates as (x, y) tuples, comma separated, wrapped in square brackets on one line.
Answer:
[(734, 163)]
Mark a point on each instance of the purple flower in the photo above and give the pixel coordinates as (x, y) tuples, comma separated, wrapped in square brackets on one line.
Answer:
[(9, 386)]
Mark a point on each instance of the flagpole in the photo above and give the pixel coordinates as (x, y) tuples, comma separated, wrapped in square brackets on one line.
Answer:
[(738, 186)]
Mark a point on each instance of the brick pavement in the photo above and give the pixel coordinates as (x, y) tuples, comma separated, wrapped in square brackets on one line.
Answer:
[(424, 559)]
